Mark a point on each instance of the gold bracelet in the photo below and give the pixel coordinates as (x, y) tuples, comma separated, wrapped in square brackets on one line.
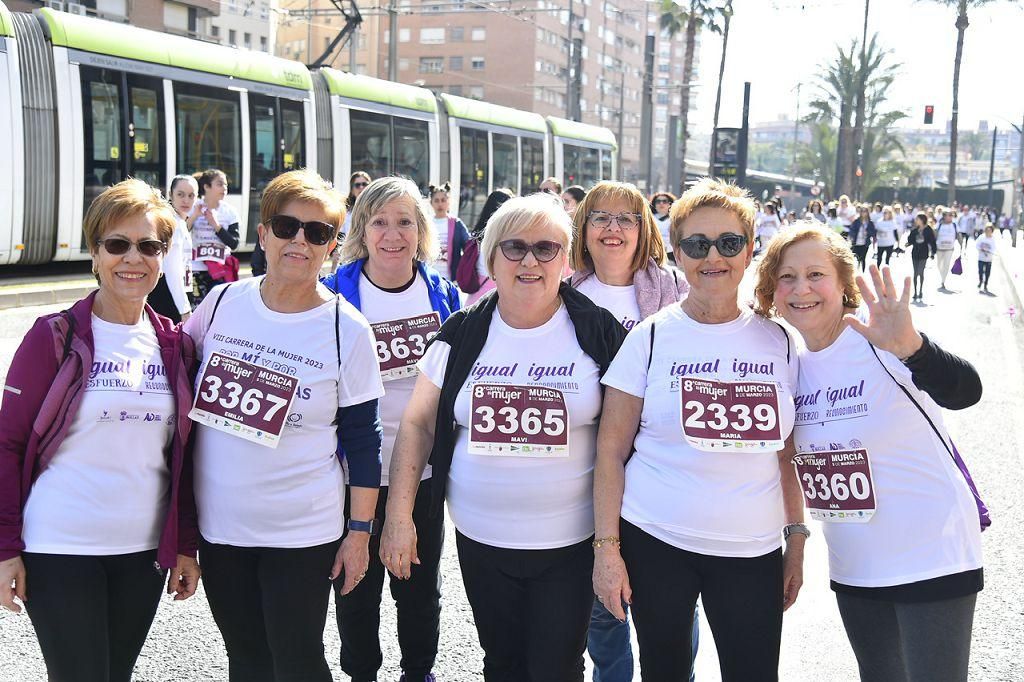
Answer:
[(605, 541)]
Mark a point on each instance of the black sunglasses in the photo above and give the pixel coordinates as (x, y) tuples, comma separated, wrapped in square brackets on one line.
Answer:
[(516, 250), (118, 246), (360, 184), (317, 233), (728, 245)]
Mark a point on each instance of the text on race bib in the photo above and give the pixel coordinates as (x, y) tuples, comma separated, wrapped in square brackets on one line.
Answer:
[(518, 421), (837, 485), (401, 343), (742, 416), (211, 251), (245, 400)]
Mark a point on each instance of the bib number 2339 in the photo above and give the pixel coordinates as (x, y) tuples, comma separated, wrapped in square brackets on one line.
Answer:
[(722, 415), (247, 401), (837, 485), (518, 421)]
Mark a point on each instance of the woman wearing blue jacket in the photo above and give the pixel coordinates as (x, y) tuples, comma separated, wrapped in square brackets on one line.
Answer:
[(385, 275)]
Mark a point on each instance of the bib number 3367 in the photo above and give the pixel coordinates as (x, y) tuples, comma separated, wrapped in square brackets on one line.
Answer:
[(243, 399), (722, 415), (518, 421)]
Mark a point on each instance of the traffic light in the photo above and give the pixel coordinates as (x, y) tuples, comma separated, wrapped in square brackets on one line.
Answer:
[(929, 114)]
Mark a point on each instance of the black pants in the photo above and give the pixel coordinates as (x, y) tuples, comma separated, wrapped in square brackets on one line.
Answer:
[(418, 600), (984, 272), (161, 301), (271, 607), (919, 265), (531, 607), (861, 252), (742, 600), (881, 251), (201, 285), (92, 613)]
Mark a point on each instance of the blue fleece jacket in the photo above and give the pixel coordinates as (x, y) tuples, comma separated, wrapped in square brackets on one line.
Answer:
[(444, 297)]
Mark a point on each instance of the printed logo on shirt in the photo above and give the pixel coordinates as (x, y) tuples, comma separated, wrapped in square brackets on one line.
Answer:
[(550, 376), (108, 375), (831, 404)]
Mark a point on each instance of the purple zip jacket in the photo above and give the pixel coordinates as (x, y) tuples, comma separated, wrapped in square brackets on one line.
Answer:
[(41, 398)]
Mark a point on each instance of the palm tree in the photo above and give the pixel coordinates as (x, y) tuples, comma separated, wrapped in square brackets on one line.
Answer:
[(961, 26), (725, 13)]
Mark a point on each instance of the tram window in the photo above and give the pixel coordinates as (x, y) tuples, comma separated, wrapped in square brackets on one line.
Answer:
[(581, 165), (146, 159), (533, 165), (412, 146), (209, 131), (371, 143), (291, 132), (473, 175), (606, 164), (506, 165), (264, 147), (101, 101)]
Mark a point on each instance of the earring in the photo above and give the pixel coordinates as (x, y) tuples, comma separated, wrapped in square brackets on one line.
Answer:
[(846, 301)]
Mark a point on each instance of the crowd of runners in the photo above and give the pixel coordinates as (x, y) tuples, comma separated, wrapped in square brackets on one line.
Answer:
[(615, 428)]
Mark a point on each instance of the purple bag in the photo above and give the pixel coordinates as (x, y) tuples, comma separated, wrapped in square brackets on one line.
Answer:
[(958, 266)]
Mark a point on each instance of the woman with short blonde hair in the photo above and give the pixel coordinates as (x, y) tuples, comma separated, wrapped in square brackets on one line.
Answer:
[(376, 196)]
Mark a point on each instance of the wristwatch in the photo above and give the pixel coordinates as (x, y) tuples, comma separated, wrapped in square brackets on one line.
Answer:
[(795, 528), (372, 526)]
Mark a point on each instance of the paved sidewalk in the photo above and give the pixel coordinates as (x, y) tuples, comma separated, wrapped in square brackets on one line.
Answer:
[(1012, 261)]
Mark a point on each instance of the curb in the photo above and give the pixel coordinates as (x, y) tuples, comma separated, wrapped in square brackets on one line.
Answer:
[(43, 297), (1016, 280)]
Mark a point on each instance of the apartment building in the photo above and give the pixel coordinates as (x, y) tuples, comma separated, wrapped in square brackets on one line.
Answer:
[(182, 17), (250, 24)]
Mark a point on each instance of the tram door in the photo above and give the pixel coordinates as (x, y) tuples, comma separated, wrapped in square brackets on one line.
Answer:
[(276, 133), (123, 130)]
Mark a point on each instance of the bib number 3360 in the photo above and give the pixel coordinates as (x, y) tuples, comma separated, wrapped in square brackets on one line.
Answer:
[(243, 399), (723, 415), (518, 421), (837, 485)]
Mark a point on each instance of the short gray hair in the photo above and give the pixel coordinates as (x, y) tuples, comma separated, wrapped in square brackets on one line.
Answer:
[(372, 201), (519, 214)]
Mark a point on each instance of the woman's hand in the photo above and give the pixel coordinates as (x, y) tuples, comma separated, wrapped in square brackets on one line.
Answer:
[(792, 569), (890, 326), (183, 578), (398, 546), (611, 582), (211, 218), (352, 559), (12, 583)]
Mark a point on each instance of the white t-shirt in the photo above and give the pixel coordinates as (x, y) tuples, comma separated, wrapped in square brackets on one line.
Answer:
[(203, 232), (178, 265), (665, 228), (986, 248), (847, 215), (526, 502), (381, 306), (876, 216), (967, 223), (107, 487), (926, 523), (768, 228), (249, 495), (945, 236), (719, 503), (620, 301), (441, 231), (885, 233)]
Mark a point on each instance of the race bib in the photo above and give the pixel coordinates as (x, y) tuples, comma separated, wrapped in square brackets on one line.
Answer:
[(247, 401), (400, 344), (837, 485), (518, 421), (724, 415), (211, 251)]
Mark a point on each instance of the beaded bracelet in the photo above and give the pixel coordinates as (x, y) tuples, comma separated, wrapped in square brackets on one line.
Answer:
[(605, 541)]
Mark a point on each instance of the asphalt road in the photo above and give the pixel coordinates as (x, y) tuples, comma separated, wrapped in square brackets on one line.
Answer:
[(184, 643)]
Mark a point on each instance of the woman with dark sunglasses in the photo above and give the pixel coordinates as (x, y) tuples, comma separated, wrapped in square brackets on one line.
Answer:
[(386, 275), (506, 409), (700, 401), (94, 465), (357, 182), (661, 205), (287, 389)]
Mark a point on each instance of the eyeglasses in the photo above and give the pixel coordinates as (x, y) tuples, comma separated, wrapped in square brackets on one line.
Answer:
[(118, 246), (728, 245), (317, 233), (516, 250), (603, 219), (662, 200), (357, 185)]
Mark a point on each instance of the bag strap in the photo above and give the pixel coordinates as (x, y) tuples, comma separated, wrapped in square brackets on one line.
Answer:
[(650, 353), (216, 304), (67, 339), (337, 331)]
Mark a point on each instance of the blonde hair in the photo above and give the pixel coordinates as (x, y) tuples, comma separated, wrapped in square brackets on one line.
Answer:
[(649, 244), (713, 193), (519, 214), (127, 199), (306, 187), (378, 194), (806, 230)]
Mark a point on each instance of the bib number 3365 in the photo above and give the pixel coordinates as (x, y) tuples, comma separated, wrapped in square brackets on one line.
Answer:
[(518, 421)]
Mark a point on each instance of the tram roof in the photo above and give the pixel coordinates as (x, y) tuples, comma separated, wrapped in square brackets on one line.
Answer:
[(121, 40), (370, 89), (6, 22), (581, 131), (484, 112)]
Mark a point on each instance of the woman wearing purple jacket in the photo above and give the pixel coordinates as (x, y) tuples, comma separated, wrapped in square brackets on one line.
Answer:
[(95, 487)]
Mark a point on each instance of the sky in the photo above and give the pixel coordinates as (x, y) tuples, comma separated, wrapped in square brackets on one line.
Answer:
[(776, 44)]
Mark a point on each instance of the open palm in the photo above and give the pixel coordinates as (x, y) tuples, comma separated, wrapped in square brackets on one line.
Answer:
[(890, 325)]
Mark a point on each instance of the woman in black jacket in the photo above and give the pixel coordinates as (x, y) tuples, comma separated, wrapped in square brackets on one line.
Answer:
[(921, 241), (862, 234)]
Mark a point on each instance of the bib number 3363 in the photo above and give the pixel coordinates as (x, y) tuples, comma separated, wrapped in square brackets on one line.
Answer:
[(244, 400), (722, 415), (518, 421), (837, 484)]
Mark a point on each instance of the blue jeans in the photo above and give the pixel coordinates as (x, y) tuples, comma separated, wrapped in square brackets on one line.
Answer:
[(610, 649)]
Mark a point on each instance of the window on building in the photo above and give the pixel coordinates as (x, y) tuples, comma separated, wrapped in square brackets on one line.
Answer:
[(662, 98), (247, 40), (478, 33), (263, 44), (477, 63), (476, 92), (455, 63), (232, 37), (404, 35), (457, 34), (431, 64), (361, 69), (431, 36), (454, 90), (403, 64), (214, 31), (664, 68)]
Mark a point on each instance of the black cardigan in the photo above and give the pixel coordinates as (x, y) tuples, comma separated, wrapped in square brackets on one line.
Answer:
[(598, 332)]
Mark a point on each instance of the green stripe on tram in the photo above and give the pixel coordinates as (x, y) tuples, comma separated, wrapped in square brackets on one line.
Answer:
[(6, 22), (121, 40), (483, 112), (354, 86), (581, 131)]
